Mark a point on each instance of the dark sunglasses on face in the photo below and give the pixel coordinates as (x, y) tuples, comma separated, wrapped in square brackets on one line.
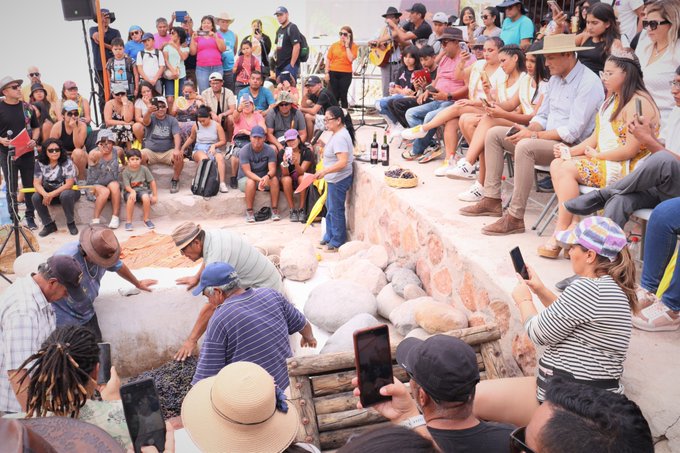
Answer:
[(518, 443), (53, 150), (119, 94), (653, 24), (485, 16), (284, 104), (13, 87), (344, 33), (73, 113), (34, 74)]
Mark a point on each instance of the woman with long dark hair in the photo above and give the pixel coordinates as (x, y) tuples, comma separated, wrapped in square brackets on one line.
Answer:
[(602, 34), (339, 60), (468, 19), (208, 46), (611, 151), (491, 19), (142, 103)]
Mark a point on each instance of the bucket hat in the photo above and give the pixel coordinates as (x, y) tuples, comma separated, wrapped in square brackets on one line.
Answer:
[(100, 245)]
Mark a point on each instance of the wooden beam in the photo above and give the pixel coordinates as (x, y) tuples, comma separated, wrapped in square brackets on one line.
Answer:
[(301, 397), (349, 419), (332, 440)]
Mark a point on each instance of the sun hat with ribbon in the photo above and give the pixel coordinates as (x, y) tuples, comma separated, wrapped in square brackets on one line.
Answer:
[(239, 410), (599, 234), (559, 44), (185, 233)]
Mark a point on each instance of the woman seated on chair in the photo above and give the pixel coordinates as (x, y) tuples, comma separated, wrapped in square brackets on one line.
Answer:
[(481, 77), (586, 330), (611, 152), (207, 136)]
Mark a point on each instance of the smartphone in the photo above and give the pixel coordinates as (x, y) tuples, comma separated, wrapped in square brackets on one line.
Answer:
[(464, 47), (431, 89), (565, 152), (202, 33), (518, 262), (638, 107), (512, 131), (180, 15), (104, 374), (373, 363), (143, 414), (485, 103), (554, 6)]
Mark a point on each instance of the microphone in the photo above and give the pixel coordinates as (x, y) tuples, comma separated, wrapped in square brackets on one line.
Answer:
[(10, 148), (9, 134)]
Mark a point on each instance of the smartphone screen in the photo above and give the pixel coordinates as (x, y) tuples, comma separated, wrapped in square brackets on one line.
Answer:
[(464, 47), (512, 131), (554, 6), (104, 374), (638, 107), (373, 362), (518, 262), (143, 414), (486, 103)]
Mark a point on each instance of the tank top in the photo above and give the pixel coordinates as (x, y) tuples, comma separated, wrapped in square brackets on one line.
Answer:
[(594, 58), (66, 139), (207, 135), (207, 53), (504, 92), (475, 86)]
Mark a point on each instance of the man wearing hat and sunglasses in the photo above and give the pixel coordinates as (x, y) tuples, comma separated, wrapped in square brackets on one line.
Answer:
[(443, 375), (27, 319), (34, 77), (97, 252), (284, 115)]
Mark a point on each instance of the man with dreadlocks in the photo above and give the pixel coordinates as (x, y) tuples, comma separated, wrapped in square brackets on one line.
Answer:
[(27, 318), (61, 377)]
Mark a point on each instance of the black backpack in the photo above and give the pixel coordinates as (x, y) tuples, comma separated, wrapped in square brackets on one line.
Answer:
[(206, 183), (304, 47)]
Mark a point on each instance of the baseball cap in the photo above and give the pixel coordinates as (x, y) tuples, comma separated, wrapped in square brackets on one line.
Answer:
[(147, 35), (257, 131), (313, 80), (215, 274), (70, 84), (105, 134), (599, 234), (444, 366), (440, 17), (68, 272), (69, 106), (418, 8), (291, 134), (161, 99), (281, 10), (118, 88), (215, 76), (479, 42), (245, 98)]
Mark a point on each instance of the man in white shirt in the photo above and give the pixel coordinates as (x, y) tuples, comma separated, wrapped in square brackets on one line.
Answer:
[(629, 13)]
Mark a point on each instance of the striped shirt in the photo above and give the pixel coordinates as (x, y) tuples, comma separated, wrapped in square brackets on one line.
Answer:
[(251, 327), (26, 320), (586, 330)]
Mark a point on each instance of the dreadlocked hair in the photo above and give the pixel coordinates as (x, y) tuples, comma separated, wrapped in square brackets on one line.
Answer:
[(59, 372)]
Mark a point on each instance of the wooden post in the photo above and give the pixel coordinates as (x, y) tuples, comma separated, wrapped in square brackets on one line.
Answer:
[(301, 396)]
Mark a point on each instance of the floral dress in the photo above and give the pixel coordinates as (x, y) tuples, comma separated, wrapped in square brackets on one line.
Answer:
[(123, 132)]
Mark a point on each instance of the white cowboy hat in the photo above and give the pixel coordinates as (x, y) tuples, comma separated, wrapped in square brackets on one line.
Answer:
[(559, 44)]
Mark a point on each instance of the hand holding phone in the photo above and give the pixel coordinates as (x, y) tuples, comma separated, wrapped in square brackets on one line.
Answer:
[(638, 107), (512, 131), (518, 263), (104, 374), (143, 415), (373, 361), (554, 7)]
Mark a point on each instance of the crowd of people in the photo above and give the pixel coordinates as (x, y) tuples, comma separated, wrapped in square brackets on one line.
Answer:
[(574, 96)]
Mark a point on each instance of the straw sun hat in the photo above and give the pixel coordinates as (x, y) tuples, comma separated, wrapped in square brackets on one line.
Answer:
[(237, 411), (559, 44)]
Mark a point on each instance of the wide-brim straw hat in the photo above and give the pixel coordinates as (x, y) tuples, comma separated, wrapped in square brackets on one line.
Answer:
[(236, 411), (185, 233), (559, 44), (100, 245)]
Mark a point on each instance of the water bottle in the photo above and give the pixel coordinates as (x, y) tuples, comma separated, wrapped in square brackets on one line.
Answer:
[(4, 211), (635, 249)]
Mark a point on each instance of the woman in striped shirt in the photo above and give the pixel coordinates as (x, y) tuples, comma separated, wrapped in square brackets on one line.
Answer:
[(586, 330)]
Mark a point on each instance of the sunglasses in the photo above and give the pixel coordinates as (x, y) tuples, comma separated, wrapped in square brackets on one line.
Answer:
[(13, 87), (284, 104), (136, 32), (485, 16), (53, 150), (73, 113), (518, 443), (654, 24), (106, 142), (344, 33), (34, 74), (119, 94)]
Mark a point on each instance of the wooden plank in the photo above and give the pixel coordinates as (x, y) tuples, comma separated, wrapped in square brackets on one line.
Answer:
[(314, 365), (349, 419), (331, 440), (335, 403), (301, 397), (329, 384), (494, 363)]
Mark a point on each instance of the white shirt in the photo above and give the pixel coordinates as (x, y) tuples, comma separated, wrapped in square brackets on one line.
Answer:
[(670, 131), (625, 11), (658, 75), (148, 61), (26, 320)]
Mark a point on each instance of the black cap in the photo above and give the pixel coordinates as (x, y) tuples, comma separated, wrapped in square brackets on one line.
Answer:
[(427, 51), (313, 80), (418, 8), (392, 11), (68, 272), (444, 366)]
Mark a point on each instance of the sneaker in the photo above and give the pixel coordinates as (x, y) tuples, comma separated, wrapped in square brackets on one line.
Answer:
[(233, 182), (473, 194), (149, 224), (395, 131), (644, 298), (408, 155), (302, 215), (656, 318), (443, 168), (545, 185), (430, 155), (224, 188), (250, 216), (275, 215), (48, 229), (95, 221), (128, 227), (463, 170), (174, 186), (30, 223), (294, 217), (72, 228), (114, 223), (413, 133)]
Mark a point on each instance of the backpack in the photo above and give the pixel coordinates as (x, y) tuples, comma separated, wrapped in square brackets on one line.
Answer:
[(206, 183), (304, 47)]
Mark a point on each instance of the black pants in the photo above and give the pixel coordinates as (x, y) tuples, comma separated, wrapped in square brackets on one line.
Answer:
[(398, 108), (93, 325), (339, 85), (24, 166), (67, 199)]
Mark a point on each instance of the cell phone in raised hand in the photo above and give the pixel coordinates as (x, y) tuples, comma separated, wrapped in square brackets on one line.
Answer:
[(143, 415), (104, 374), (464, 47), (554, 7), (518, 263), (373, 361)]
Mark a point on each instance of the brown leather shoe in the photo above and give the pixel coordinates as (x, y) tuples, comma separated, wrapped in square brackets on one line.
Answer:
[(505, 225), (490, 207)]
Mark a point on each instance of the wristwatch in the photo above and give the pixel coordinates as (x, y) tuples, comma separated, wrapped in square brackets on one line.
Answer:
[(534, 135), (413, 422), (449, 97)]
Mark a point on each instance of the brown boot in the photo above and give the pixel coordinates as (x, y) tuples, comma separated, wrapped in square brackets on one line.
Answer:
[(491, 207), (506, 225)]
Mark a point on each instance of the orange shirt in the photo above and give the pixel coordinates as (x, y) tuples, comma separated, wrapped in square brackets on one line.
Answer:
[(337, 57)]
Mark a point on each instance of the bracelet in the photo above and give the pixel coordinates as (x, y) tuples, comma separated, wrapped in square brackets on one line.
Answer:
[(413, 422)]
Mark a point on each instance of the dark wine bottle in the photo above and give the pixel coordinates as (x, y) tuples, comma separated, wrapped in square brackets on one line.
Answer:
[(385, 152), (374, 149)]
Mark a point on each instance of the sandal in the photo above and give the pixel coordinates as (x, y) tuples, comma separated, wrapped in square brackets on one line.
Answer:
[(549, 251), (407, 155)]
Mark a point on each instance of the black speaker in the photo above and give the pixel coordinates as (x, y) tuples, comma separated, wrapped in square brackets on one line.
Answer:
[(78, 9)]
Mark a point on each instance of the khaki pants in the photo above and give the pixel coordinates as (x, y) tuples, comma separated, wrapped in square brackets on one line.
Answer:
[(527, 153), (164, 157)]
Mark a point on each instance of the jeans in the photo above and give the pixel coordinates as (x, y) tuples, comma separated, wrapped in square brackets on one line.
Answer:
[(203, 76), (294, 71), (67, 199), (422, 114), (660, 241), (23, 166), (336, 224), (169, 86), (399, 107), (228, 78), (382, 105)]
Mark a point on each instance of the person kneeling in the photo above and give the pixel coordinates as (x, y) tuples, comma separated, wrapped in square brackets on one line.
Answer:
[(140, 187)]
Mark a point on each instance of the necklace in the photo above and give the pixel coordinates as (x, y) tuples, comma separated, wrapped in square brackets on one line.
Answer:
[(656, 52)]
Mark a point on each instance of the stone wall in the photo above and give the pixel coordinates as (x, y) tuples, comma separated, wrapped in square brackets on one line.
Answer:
[(438, 251)]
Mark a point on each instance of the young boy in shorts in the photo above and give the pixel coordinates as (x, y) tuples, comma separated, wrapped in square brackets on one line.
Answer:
[(140, 187)]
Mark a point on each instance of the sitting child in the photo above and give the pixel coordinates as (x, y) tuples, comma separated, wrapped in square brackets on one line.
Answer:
[(140, 187)]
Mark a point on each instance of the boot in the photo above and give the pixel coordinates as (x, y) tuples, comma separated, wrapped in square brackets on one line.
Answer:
[(505, 225), (590, 202), (490, 207)]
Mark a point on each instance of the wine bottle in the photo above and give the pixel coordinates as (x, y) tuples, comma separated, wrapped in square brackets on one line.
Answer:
[(374, 149), (385, 152)]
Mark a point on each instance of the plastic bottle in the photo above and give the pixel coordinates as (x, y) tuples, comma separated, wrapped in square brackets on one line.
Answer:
[(635, 249), (4, 211)]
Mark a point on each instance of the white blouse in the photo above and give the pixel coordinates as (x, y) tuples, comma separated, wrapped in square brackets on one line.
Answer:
[(658, 75)]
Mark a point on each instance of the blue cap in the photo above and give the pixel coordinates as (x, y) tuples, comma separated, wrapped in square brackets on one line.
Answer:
[(257, 131), (215, 274), (281, 10), (134, 28), (147, 35)]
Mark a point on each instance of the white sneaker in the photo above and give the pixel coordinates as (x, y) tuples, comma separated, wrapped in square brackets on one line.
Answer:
[(413, 133), (95, 221), (463, 170), (473, 194), (395, 131), (114, 223), (656, 318), (441, 170), (223, 187)]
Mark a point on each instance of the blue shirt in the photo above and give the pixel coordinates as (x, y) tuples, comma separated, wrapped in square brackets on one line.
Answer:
[(571, 103), (251, 327), (228, 54), (132, 48), (515, 32), (70, 311), (264, 98)]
